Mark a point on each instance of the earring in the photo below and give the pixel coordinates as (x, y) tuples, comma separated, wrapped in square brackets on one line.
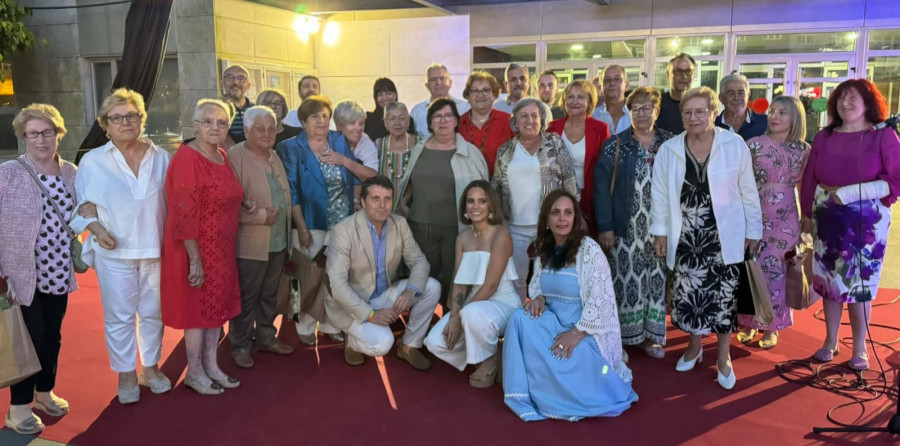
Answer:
[(467, 216), (491, 216)]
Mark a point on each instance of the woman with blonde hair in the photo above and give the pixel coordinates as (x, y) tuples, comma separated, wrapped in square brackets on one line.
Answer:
[(124, 180), (35, 255)]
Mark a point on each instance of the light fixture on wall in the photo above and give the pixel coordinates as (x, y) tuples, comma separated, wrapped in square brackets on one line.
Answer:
[(331, 34), (305, 26)]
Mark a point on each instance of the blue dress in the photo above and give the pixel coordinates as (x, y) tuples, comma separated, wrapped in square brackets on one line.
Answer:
[(537, 386)]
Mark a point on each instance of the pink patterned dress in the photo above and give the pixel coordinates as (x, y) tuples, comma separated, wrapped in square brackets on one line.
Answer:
[(778, 169)]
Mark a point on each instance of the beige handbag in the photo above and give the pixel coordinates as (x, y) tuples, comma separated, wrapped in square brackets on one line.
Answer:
[(18, 360), (799, 293)]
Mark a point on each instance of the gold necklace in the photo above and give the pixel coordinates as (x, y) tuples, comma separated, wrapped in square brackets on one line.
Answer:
[(477, 234)]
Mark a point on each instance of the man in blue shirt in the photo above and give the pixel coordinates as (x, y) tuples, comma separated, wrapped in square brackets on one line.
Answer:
[(734, 92), (366, 293)]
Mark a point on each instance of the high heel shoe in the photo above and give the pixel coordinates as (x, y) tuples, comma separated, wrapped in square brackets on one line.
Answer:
[(769, 340), (212, 389), (727, 382), (746, 337), (684, 365), (486, 374)]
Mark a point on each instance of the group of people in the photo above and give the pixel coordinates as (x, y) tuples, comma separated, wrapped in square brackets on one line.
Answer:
[(553, 225)]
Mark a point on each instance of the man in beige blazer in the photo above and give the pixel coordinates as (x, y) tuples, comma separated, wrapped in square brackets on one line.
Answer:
[(366, 297)]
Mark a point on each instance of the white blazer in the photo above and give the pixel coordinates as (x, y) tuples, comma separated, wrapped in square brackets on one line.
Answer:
[(732, 187)]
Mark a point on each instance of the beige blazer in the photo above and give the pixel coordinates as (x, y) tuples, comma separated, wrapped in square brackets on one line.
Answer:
[(351, 266), (253, 232)]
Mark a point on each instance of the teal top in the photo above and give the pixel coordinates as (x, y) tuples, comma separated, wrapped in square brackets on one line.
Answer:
[(277, 234)]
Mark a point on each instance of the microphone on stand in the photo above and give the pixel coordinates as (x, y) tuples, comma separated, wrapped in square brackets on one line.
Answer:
[(891, 121)]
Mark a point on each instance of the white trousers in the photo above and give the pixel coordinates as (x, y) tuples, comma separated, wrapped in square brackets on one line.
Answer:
[(129, 290), (307, 324), (376, 340), (522, 236), (482, 322)]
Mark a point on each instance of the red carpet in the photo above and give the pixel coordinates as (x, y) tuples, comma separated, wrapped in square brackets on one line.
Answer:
[(297, 400)]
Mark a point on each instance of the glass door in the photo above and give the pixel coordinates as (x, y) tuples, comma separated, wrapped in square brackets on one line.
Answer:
[(815, 81)]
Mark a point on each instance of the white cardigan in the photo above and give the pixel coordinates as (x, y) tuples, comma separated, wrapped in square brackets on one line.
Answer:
[(732, 187)]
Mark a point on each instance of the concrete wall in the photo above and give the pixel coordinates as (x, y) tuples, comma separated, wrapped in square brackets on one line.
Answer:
[(399, 48), (255, 33), (198, 77)]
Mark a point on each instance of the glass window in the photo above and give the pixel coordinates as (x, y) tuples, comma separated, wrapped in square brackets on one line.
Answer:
[(824, 69), (693, 45), (504, 53), (7, 110), (885, 73), (710, 73), (164, 112), (103, 81), (614, 49), (796, 43), (568, 75), (884, 39), (763, 70)]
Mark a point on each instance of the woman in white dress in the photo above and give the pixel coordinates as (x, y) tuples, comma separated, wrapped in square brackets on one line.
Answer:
[(483, 295)]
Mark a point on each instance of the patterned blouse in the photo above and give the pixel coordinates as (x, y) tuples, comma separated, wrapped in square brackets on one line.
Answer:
[(557, 168), (51, 252)]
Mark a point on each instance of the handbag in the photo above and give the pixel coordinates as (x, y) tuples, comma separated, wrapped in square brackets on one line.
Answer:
[(18, 360), (75, 244), (753, 292), (799, 293)]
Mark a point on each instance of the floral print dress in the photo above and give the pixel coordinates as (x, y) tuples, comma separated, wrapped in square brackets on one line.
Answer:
[(778, 168), (703, 299)]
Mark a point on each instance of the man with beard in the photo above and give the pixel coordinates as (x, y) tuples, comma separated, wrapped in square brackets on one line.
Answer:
[(308, 86), (548, 87), (680, 72), (614, 112), (517, 86), (235, 83)]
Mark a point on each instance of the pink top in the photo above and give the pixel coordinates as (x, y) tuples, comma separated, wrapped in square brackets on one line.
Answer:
[(842, 159)]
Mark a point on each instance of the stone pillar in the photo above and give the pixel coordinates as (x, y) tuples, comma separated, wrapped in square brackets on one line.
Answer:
[(198, 75)]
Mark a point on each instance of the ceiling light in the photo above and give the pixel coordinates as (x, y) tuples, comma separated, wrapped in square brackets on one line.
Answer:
[(674, 43), (707, 41), (577, 47), (331, 34)]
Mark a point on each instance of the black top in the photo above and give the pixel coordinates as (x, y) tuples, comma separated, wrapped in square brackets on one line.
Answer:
[(670, 115), (375, 124), (288, 133)]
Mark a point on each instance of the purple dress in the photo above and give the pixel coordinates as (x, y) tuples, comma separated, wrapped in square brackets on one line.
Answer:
[(850, 239), (778, 168)]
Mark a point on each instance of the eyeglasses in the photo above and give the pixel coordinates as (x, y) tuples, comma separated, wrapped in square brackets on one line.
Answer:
[(239, 78), (645, 110), (49, 133), (117, 119), (209, 123), (482, 92), (699, 113), (274, 104), (443, 117), (683, 73)]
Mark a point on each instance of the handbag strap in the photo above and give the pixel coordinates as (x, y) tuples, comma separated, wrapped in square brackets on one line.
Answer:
[(612, 182), (62, 217)]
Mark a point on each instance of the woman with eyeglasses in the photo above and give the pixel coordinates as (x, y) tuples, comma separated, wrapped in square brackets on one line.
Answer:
[(484, 126), (34, 255), (705, 214), (123, 179), (275, 100), (583, 136), (438, 172), (199, 286), (622, 202)]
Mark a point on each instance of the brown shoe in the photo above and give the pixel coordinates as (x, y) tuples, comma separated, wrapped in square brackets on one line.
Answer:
[(486, 374), (243, 360), (353, 357), (413, 356), (276, 347)]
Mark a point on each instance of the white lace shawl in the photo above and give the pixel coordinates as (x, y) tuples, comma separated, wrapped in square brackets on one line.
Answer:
[(600, 316)]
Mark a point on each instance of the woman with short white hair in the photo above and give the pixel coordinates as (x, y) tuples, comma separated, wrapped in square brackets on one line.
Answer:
[(350, 120), (124, 180), (262, 238)]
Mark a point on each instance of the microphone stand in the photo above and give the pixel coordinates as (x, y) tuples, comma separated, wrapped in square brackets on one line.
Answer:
[(893, 425)]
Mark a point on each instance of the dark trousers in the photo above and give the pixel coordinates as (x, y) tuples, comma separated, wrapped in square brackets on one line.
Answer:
[(259, 295), (43, 319), (438, 243)]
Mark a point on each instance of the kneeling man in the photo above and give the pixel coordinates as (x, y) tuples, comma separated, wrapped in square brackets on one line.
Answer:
[(366, 297)]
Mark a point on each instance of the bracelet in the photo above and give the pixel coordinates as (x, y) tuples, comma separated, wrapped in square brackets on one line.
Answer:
[(578, 333), (195, 260), (371, 315)]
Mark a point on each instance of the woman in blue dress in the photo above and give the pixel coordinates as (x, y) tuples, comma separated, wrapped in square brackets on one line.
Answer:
[(562, 355)]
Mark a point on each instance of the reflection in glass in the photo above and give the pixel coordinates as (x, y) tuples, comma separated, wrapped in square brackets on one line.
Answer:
[(885, 73), (763, 70), (796, 43), (884, 39), (164, 111), (504, 53), (693, 45), (823, 69), (614, 49)]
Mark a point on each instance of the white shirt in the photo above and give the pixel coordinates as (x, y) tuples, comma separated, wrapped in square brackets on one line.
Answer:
[(293, 121), (132, 209), (366, 152), (602, 114), (524, 177), (578, 151), (419, 114)]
